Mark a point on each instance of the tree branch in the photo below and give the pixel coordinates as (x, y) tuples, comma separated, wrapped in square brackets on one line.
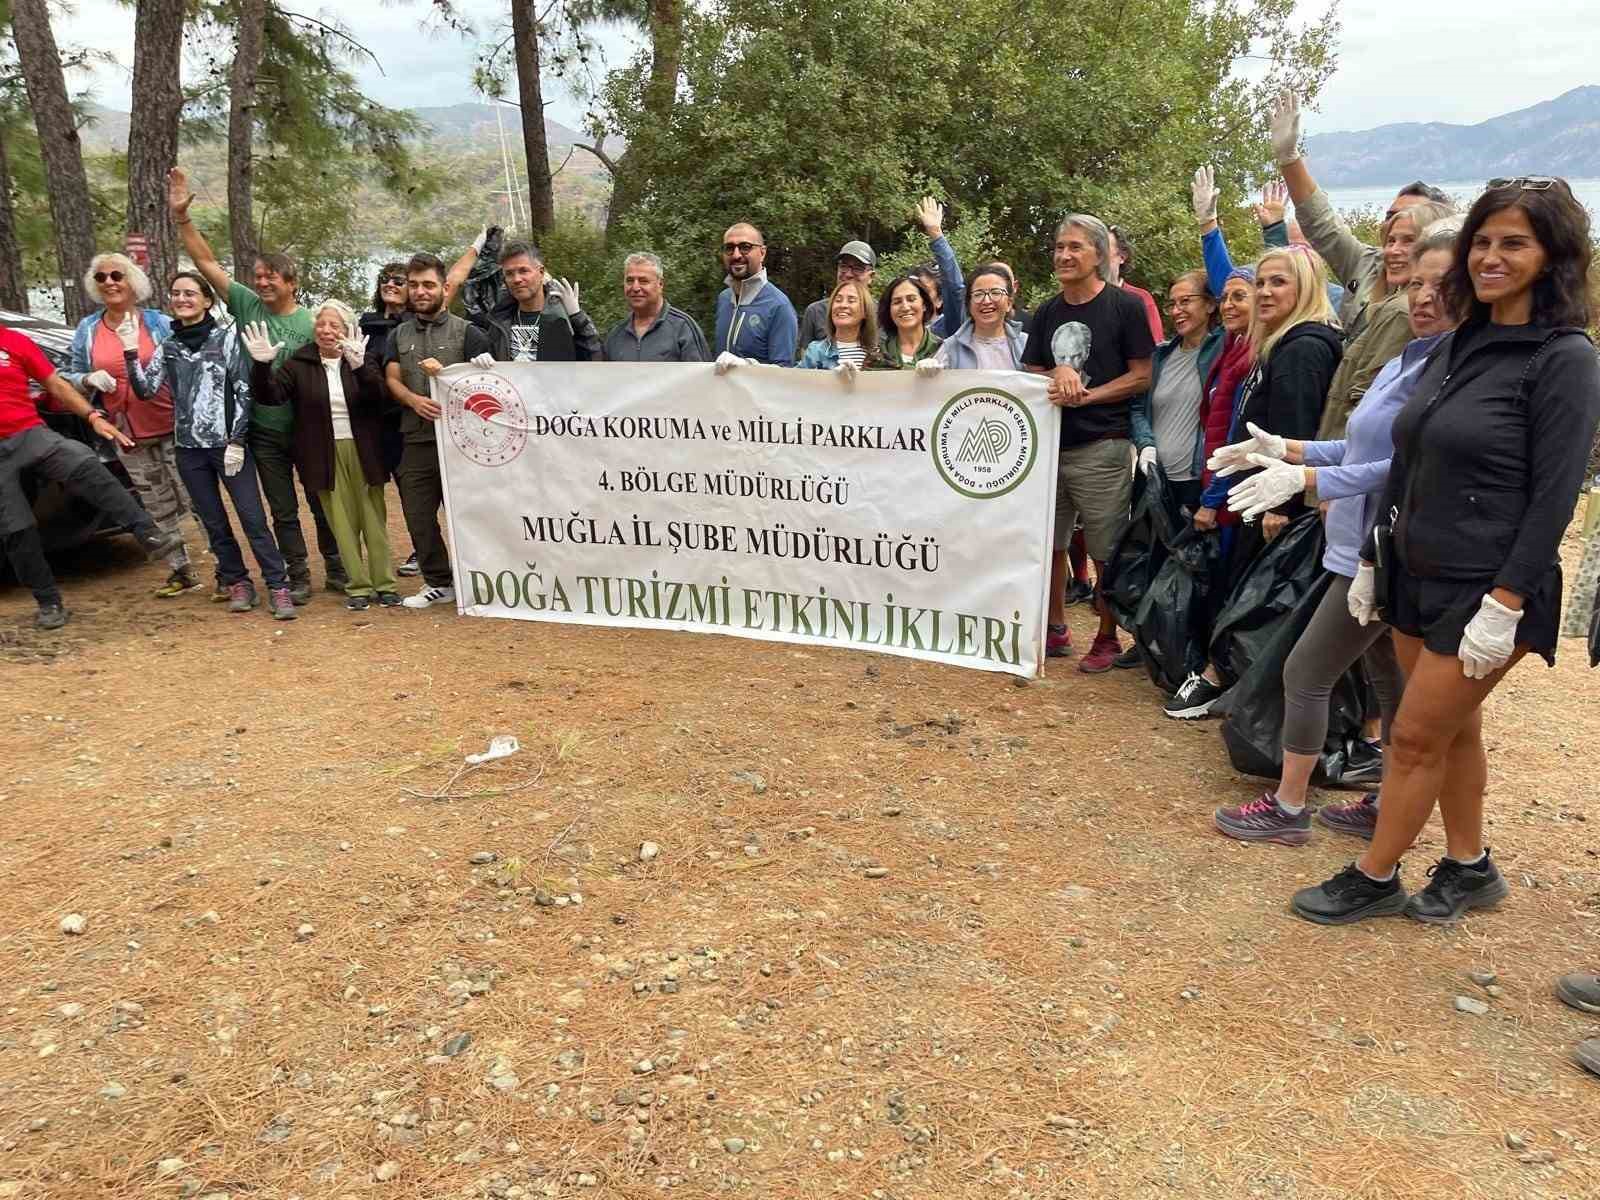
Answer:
[(335, 31), (599, 151)]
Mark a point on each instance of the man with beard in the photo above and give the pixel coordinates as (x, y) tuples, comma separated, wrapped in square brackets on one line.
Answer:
[(755, 321), (540, 321), (422, 345)]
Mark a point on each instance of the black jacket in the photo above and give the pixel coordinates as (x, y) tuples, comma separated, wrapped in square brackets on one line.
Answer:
[(1287, 393), (302, 383), (561, 338), (1489, 455)]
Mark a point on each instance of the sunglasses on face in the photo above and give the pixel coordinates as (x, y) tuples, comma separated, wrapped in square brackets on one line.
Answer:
[(741, 247), (394, 282), (113, 276)]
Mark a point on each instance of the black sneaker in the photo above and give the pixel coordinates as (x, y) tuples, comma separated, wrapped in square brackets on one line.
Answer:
[(1193, 699), (1455, 887), (389, 599), (1365, 766), (51, 616), (1080, 592), (357, 603), (334, 583), (1349, 896), (1129, 660), (158, 545), (300, 592)]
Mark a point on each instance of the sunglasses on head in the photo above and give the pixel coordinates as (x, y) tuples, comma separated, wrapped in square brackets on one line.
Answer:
[(1528, 183), (113, 276)]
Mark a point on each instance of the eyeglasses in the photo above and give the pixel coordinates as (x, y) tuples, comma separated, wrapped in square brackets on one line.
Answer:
[(1528, 183), (845, 264), (113, 276), (991, 293), (742, 247)]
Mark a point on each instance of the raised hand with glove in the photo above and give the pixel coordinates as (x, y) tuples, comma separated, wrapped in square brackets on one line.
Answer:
[(1489, 639), (1231, 459), (1204, 194), (1276, 483), (568, 292), (1284, 129), (1148, 459), (355, 349), (258, 343), (127, 331), (233, 459)]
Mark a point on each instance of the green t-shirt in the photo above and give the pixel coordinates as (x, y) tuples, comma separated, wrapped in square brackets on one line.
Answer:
[(293, 330)]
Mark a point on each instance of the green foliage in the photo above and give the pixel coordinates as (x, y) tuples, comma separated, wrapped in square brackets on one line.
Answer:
[(823, 122)]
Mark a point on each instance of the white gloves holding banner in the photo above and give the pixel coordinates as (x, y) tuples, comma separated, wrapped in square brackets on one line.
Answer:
[(727, 361), (484, 360), (1276, 483), (847, 372), (1230, 460), (927, 368), (1489, 639), (232, 459)]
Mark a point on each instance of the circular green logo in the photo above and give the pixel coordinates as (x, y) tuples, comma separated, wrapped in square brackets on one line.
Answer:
[(984, 442)]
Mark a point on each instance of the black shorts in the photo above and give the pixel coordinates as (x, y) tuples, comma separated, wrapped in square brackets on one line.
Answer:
[(1439, 610)]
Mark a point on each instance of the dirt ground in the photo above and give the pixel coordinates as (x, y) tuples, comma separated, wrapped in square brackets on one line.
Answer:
[(296, 980)]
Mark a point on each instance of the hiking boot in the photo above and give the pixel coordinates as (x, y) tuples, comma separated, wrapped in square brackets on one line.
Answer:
[(51, 616), (1102, 654), (1359, 817), (336, 582), (409, 568), (1057, 642), (1455, 887), (357, 603), (1349, 896), (1079, 591), (1365, 765), (1129, 660), (1581, 990), (280, 604), (300, 591), (158, 545), (1588, 1055), (1193, 699), (429, 596), (1264, 820), (389, 599), (179, 582), (241, 596)]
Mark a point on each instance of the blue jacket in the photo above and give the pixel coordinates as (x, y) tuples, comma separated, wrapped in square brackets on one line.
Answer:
[(952, 289), (957, 353), (1141, 409), (762, 328), (1352, 472), (156, 321)]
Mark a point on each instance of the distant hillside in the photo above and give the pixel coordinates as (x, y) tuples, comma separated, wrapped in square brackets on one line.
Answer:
[(1556, 137)]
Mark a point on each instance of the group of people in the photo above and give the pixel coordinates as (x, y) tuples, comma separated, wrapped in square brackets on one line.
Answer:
[(1433, 397)]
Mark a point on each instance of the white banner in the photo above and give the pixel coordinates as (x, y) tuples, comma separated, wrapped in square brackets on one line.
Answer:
[(904, 515)]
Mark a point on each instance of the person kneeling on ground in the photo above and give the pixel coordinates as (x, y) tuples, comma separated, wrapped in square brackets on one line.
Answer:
[(27, 444)]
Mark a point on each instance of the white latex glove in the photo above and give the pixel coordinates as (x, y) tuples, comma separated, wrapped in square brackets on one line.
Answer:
[(927, 368), (1148, 459), (128, 332), (483, 236), (1276, 483), (847, 372), (232, 459), (1285, 128), (569, 296), (483, 360), (727, 361), (1362, 600), (258, 342), (1205, 193), (1489, 639), (355, 349), (100, 381), (1231, 459)]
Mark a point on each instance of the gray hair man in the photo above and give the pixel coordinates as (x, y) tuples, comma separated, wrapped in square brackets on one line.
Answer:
[(653, 330)]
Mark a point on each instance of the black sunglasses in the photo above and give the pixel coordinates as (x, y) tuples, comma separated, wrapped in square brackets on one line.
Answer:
[(394, 281), (113, 276), (1528, 183)]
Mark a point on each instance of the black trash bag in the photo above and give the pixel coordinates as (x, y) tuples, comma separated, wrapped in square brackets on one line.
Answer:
[(1594, 633), (1271, 585), (1153, 522), (1172, 626), (1252, 729), (483, 291)]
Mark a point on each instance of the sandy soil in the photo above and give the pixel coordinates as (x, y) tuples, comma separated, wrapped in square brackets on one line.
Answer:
[(1065, 984)]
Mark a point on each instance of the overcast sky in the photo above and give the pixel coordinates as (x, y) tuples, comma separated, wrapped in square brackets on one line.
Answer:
[(1461, 62)]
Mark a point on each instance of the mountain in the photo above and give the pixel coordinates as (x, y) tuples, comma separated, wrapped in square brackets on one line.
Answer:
[(1556, 137), (455, 126)]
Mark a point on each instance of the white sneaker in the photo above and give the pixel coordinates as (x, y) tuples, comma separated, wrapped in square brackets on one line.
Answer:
[(430, 596)]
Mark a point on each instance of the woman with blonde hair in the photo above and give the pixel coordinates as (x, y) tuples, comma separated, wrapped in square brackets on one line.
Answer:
[(1294, 341), (98, 365), (852, 341), (338, 398)]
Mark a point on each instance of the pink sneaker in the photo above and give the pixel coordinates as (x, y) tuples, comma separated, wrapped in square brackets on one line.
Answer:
[(1263, 820), (1102, 655), (1057, 641)]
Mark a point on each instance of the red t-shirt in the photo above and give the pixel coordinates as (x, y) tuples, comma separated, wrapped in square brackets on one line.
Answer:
[(21, 360)]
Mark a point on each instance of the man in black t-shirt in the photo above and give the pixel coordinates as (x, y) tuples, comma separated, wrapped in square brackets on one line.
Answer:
[(1094, 342)]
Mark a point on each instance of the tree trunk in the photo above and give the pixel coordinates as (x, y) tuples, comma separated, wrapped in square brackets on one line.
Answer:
[(153, 129), (59, 145), (664, 19), (252, 19), (13, 287), (541, 188)]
